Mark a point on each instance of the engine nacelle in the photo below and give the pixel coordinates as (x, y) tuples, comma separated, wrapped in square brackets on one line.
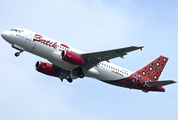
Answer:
[(72, 58), (47, 69)]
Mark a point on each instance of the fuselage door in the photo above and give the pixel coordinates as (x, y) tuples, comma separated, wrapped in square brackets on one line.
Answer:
[(29, 40), (29, 36)]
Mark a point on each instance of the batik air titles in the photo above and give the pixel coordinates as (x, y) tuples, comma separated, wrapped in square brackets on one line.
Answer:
[(69, 63)]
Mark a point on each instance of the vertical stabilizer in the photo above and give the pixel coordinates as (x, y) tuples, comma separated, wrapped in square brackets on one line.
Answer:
[(153, 70)]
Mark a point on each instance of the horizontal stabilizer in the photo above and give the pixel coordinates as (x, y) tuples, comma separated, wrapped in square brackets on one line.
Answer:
[(159, 83)]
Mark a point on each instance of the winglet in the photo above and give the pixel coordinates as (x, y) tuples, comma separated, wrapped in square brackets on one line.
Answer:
[(141, 47)]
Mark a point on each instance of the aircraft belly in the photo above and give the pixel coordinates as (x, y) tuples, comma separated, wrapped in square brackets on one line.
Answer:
[(39, 50), (21, 42), (92, 73)]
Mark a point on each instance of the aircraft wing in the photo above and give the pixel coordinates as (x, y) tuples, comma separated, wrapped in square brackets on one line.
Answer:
[(94, 58)]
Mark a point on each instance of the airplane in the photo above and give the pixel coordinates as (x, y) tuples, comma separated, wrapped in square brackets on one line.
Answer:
[(69, 63)]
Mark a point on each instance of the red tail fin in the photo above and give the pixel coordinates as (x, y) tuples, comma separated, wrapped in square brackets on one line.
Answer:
[(153, 70)]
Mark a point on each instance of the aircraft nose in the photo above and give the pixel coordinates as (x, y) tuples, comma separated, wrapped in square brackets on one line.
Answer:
[(5, 34)]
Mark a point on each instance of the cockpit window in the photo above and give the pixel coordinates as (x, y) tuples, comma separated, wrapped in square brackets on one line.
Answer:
[(13, 30), (16, 30)]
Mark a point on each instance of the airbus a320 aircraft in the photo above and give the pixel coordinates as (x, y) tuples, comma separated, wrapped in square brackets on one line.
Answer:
[(69, 63)]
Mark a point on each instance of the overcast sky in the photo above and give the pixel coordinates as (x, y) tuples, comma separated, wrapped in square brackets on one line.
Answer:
[(89, 25)]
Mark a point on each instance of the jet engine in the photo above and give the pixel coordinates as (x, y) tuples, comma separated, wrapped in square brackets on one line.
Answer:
[(47, 69), (72, 58)]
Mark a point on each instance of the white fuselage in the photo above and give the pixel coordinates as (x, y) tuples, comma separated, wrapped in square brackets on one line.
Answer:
[(50, 49)]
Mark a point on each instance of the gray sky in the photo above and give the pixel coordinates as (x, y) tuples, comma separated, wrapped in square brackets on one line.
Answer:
[(90, 26)]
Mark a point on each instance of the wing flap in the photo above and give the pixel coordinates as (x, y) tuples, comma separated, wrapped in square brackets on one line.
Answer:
[(159, 83)]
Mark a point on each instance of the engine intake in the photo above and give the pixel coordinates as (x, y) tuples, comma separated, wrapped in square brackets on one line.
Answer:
[(72, 58), (47, 69)]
